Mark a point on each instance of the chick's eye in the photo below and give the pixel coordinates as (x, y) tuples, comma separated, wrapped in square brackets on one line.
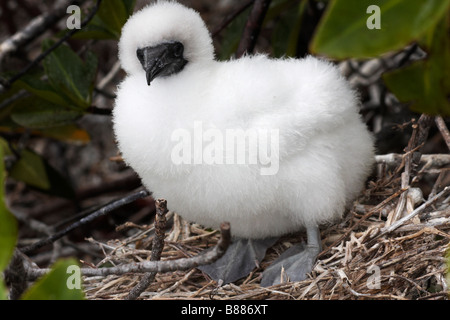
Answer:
[(178, 50)]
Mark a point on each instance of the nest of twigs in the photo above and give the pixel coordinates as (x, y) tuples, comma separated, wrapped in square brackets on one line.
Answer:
[(391, 244)]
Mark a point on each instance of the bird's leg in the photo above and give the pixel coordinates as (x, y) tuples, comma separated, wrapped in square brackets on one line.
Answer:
[(241, 257), (296, 262)]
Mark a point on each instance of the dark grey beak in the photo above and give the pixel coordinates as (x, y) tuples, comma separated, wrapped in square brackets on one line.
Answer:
[(162, 60)]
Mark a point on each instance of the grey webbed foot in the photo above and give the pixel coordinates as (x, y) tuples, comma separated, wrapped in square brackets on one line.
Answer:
[(297, 261), (241, 257)]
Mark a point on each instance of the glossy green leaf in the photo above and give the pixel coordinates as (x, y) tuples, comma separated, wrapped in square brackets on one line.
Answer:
[(109, 20), (8, 224), (58, 284), (70, 75), (3, 290), (343, 31), (36, 113), (232, 35), (37, 173), (68, 133), (41, 89), (30, 168), (425, 84), (287, 27)]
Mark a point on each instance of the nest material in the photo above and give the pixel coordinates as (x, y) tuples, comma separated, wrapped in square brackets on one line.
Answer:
[(358, 262)]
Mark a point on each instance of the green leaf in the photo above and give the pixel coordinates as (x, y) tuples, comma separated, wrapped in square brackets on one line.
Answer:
[(67, 133), (37, 173), (41, 89), (8, 224), (109, 20), (425, 84), (69, 74), (232, 36), (30, 168), (56, 284), (36, 113), (3, 291), (343, 31), (287, 28)]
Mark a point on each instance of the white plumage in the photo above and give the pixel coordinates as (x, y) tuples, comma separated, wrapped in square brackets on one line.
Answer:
[(325, 151)]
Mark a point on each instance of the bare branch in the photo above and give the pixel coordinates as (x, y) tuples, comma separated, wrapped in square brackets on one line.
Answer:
[(443, 129), (418, 210), (157, 248), (253, 27), (156, 266), (432, 160), (6, 84), (98, 213), (35, 28)]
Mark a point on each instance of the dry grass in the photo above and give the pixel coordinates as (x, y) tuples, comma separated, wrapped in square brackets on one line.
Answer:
[(407, 263)]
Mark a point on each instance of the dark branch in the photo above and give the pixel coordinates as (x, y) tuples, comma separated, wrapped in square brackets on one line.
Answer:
[(6, 84), (157, 248), (156, 266), (231, 17), (101, 212), (253, 27)]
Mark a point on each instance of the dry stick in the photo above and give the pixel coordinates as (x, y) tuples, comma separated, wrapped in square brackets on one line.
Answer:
[(157, 248), (412, 159), (253, 27), (5, 85), (367, 215), (230, 18), (156, 266), (35, 28), (412, 214), (431, 160), (101, 212), (15, 274), (440, 123)]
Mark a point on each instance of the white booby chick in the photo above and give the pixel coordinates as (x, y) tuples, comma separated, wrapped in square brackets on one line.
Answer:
[(270, 145)]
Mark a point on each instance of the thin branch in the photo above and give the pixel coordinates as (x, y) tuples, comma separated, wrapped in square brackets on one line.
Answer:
[(99, 111), (157, 248), (6, 84), (253, 27), (15, 275), (156, 266), (431, 160), (35, 28), (443, 129), (101, 212), (231, 17), (418, 210), (412, 159)]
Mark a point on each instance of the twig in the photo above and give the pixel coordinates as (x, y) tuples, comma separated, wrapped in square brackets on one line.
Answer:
[(253, 27), (6, 84), (15, 274), (156, 266), (101, 212), (157, 248), (412, 214), (367, 215), (440, 123), (230, 18), (32, 30), (434, 160), (412, 159)]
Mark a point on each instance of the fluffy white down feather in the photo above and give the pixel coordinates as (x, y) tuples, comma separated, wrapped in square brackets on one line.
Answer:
[(325, 150)]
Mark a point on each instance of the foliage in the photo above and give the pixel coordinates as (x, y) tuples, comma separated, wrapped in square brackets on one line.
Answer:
[(52, 98), (54, 285), (8, 229), (343, 33), (57, 93)]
